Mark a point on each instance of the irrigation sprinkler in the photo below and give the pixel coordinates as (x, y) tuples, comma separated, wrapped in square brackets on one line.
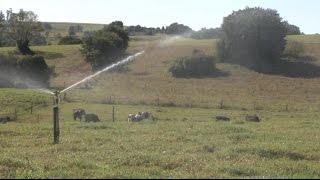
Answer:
[(56, 131)]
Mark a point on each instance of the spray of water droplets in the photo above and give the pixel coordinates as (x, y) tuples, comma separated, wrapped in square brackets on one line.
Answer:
[(126, 60)]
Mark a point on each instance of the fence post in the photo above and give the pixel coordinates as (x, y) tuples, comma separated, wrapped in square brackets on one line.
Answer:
[(15, 114), (221, 104), (56, 131), (112, 113), (31, 107)]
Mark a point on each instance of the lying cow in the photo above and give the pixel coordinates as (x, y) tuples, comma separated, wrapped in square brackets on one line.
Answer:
[(91, 118), (253, 118), (78, 113), (145, 115), (138, 117), (134, 117)]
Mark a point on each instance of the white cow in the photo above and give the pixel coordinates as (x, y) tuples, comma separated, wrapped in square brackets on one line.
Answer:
[(145, 115), (138, 117), (131, 117)]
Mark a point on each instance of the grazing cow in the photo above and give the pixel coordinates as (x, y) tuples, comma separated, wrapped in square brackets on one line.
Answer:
[(91, 118), (252, 118), (222, 118), (78, 113)]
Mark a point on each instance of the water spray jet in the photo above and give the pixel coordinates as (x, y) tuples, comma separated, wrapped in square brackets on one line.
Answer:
[(56, 131), (129, 58)]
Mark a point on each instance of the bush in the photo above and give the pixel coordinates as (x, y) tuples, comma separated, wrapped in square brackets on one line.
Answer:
[(69, 40), (105, 46), (253, 36), (195, 66), (294, 49), (34, 69)]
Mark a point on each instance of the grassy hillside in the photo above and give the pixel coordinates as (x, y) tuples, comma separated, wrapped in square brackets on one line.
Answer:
[(148, 82), (60, 29), (183, 141), (64, 26)]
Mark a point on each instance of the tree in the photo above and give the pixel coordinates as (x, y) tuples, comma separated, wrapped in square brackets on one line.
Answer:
[(38, 39), (176, 28), (79, 28), (163, 30), (2, 18), (291, 29), (72, 30), (207, 33), (105, 46), (22, 26), (253, 37), (69, 40), (47, 26)]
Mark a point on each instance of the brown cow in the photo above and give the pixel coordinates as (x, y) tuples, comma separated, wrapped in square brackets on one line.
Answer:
[(78, 113)]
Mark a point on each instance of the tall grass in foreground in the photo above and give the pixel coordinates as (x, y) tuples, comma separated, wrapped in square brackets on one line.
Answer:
[(181, 143)]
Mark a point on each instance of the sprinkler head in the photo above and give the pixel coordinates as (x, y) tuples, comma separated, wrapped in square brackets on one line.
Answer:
[(56, 93), (56, 97)]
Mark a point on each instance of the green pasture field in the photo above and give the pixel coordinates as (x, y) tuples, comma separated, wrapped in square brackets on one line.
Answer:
[(184, 140)]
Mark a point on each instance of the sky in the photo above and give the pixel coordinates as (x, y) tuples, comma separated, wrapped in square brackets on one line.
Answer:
[(196, 14)]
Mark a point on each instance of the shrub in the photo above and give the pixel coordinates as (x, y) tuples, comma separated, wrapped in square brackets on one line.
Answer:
[(105, 46), (294, 49), (69, 40), (253, 36), (195, 66), (34, 68)]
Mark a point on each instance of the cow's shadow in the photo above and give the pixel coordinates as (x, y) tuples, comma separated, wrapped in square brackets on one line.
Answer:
[(215, 74), (50, 55), (294, 69)]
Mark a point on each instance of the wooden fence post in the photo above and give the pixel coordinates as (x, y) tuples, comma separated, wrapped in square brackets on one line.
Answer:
[(56, 131), (112, 113), (31, 107), (15, 114), (221, 104)]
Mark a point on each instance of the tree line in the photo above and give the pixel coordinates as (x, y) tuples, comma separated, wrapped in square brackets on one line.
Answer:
[(254, 37)]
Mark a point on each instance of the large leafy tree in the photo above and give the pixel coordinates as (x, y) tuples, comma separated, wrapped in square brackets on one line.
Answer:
[(176, 28), (253, 37), (292, 29), (105, 46), (22, 26)]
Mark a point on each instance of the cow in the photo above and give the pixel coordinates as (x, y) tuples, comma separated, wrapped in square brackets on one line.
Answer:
[(91, 118), (131, 117), (145, 115), (78, 113), (140, 116), (137, 117), (252, 118), (5, 119), (222, 118)]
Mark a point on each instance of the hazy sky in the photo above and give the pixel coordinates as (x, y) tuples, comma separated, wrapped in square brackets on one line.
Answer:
[(157, 13)]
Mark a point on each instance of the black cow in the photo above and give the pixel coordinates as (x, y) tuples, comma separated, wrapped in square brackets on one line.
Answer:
[(91, 118), (253, 118), (222, 118)]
